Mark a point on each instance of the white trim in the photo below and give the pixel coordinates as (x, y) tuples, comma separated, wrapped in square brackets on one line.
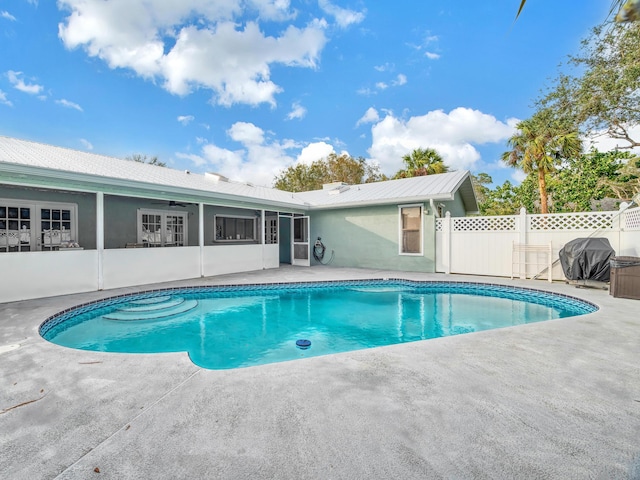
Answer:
[(400, 230), (304, 242), (163, 225), (256, 233), (35, 230), (201, 236), (100, 237)]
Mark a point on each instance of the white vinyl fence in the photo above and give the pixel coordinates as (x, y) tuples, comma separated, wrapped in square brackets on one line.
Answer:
[(519, 245)]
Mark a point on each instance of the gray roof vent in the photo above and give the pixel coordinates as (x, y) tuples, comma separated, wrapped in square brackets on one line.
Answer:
[(335, 188), (216, 177), (334, 185)]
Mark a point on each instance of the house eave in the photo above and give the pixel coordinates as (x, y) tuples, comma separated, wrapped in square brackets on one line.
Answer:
[(386, 201), (28, 176)]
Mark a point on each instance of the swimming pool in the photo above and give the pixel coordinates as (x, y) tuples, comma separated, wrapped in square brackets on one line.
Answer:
[(224, 327)]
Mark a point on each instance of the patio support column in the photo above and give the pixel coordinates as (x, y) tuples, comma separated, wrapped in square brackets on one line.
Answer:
[(201, 236), (446, 244), (522, 239), (263, 238), (100, 236)]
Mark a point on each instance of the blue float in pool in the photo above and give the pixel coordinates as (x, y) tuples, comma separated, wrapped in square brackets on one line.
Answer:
[(303, 343)]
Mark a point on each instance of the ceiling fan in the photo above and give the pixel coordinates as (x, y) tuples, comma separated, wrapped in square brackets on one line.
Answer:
[(173, 203)]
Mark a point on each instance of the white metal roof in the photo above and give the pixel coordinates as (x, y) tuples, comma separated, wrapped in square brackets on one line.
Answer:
[(437, 187), (32, 154), (47, 158)]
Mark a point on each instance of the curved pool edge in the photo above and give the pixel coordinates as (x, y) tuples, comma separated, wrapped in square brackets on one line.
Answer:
[(477, 288)]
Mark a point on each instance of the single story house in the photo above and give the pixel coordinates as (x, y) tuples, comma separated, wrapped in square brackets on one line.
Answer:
[(73, 221)]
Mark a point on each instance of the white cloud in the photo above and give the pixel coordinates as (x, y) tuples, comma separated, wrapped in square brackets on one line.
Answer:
[(428, 41), (365, 91), (452, 134), (7, 15), (246, 133), (258, 160), (343, 16), (518, 176), (225, 162), (604, 143), (297, 111), (86, 144), (384, 68), (185, 119), (68, 104), (315, 151), (15, 78), (370, 116), (4, 100), (195, 44), (197, 160), (400, 80)]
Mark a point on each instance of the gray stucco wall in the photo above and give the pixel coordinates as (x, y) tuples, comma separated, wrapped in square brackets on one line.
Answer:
[(120, 215), (86, 203), (121, 219), (209, 222), (368, 237), (455, 206)]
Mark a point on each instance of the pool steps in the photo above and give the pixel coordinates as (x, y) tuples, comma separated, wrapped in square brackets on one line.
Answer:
[(152, 309)]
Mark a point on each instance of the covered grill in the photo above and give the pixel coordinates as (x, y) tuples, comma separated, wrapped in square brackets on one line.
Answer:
[(587, 259)]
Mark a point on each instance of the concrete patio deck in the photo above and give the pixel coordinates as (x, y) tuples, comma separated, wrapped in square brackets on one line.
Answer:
[(551, 400)]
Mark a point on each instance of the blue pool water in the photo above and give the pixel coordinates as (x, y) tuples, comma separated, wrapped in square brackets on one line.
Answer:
[(240, 326)]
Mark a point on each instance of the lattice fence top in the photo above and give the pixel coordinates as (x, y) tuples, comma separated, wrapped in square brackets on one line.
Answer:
[(632, 219), (484, 224), (589, 221), (572, 221)]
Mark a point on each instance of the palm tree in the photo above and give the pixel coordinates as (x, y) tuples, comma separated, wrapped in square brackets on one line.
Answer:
[(422, 162), (628, 10), (540, 144)]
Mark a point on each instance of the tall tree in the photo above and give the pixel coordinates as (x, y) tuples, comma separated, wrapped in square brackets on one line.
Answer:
[(502, 200), (626, 183), (140, 158), (628, 10), (582, 181), (539, 145), (422, 161), (604, 97), (335, 168)]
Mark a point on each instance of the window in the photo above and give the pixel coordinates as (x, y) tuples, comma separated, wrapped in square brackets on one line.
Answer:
[(158, 228), (56, 227), (230, 229), (411, 230), (28, 226), (271, 229)]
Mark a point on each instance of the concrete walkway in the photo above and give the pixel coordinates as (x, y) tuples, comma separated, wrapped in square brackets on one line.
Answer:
[(552, 400)]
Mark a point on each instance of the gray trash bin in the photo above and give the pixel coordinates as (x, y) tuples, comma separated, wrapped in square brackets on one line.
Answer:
[(625, 277)]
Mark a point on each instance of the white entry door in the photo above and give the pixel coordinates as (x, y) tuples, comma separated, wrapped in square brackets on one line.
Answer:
[(300, 254)]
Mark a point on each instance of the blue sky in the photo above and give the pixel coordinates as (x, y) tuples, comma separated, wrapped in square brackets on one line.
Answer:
[(248, 88)]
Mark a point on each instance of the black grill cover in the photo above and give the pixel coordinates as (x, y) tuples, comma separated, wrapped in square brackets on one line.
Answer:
[(587, 259)]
